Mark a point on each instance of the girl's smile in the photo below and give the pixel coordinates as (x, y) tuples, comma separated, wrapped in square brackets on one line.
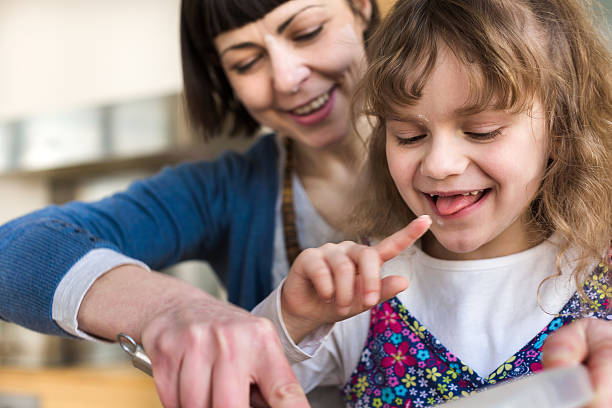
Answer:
[(474, 173), (456, 203)]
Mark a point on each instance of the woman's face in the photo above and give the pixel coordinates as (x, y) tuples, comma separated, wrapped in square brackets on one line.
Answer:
[(475, 174), (295, 69)]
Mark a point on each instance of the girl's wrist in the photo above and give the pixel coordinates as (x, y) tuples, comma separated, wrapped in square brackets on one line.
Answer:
[(298, 327)]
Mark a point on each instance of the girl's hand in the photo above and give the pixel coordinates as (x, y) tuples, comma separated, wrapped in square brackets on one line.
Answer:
[(337, 281)]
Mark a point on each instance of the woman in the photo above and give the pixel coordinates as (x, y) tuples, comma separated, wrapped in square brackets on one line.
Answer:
[(288, 65)]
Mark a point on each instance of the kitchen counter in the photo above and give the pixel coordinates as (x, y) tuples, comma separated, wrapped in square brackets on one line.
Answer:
[(118, 385)]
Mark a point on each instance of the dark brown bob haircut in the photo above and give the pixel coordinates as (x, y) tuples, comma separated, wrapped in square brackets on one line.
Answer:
[(211, 105)]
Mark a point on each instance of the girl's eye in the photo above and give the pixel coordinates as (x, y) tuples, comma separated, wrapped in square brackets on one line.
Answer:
[(243, 68), (403, 141), (308, 35), (484, 136)]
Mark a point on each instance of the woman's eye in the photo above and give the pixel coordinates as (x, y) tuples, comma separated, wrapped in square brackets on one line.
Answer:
[(409, 140), (243, 68), (484, 136), (308, 35)]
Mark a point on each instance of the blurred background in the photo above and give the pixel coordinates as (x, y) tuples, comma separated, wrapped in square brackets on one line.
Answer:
[(90, 99)]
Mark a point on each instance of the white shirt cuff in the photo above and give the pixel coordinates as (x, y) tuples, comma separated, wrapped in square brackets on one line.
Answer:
[(77, 281), (270, 308)]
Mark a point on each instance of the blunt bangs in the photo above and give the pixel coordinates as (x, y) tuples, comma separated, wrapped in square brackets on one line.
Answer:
[(225, 15)]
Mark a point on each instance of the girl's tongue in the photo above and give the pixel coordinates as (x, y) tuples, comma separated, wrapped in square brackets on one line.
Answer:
[(453, 204)]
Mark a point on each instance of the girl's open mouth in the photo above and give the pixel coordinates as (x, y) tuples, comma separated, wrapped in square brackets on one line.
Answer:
[(452, 204)]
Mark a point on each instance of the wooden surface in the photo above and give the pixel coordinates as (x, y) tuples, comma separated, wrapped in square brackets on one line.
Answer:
[(116, 386)]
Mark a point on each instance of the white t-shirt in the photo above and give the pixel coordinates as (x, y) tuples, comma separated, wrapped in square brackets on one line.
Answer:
[(483, 311)]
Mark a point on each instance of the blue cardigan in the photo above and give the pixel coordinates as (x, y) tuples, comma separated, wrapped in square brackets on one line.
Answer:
[(221, 211)]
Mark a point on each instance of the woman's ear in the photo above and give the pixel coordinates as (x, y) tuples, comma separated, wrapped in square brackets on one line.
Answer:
[(365, 9)]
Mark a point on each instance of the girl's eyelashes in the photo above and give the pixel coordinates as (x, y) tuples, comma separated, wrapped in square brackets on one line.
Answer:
[(403, 140), (484, 136)]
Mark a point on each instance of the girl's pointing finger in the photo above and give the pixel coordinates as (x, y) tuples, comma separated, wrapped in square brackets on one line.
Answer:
[(394, 244)]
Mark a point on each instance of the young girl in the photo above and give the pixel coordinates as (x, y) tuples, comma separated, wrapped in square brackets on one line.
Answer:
[(493, 128)]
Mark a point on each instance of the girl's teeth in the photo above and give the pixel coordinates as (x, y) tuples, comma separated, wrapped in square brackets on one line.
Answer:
[(312, 106), (472, 193), (476, 192)]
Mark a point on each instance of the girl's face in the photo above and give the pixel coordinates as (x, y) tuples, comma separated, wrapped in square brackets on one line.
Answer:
[(295, 69), (475, 174)]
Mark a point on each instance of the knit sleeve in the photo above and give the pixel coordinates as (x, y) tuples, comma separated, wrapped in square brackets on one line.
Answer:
[(181, 213)]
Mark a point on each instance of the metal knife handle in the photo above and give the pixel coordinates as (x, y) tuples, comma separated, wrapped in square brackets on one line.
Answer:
[(140, 360)]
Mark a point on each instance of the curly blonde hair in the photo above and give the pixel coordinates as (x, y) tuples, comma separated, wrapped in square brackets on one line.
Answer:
[(517, 51)]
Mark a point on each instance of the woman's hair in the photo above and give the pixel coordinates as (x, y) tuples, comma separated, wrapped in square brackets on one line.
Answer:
[(211, 103), (517, 52)]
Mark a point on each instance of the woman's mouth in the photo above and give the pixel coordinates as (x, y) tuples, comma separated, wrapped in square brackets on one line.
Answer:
[(316, 110), (313, 106), (451, 204)]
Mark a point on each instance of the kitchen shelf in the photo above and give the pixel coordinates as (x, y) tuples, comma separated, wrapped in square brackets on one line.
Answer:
[(115, 164), (121, 163)]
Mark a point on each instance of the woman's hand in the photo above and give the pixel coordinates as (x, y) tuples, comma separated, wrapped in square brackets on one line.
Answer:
[(587, 341), (204, 352), (337, 281), (209, 353)]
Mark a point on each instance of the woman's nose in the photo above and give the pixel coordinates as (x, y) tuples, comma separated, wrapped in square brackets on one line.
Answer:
[(443, 158), (288, 68)]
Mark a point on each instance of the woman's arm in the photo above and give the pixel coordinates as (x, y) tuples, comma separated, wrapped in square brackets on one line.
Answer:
[(181, 213), (204, 352)]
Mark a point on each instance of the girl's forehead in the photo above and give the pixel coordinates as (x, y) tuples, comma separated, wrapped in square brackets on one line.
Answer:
[(453, 81)]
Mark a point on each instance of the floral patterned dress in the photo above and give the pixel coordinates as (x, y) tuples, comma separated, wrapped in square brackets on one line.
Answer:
[(404, 365)]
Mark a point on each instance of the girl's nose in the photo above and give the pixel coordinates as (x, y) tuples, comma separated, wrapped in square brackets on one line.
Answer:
[(443, 158), (288, 68)]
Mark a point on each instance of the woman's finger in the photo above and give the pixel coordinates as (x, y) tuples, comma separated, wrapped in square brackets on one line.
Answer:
[(272, 373), (230, 384), (195, 375), (166, 368), (394, 244)]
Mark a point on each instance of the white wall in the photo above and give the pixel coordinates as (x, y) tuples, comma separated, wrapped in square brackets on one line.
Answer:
[(61, 54), (21, 195)]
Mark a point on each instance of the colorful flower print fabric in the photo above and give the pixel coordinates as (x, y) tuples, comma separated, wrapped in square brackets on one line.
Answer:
[(403, 365)]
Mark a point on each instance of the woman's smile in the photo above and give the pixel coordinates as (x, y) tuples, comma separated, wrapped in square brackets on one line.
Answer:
[(295, 70), (315, 111)]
